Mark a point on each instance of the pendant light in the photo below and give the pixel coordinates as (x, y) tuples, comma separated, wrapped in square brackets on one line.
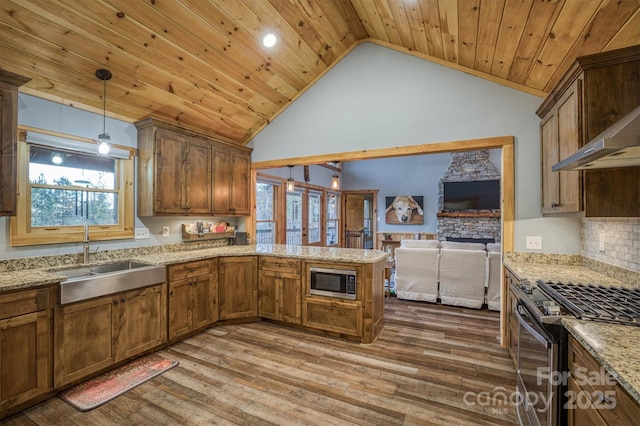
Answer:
[(103, 138), (335, 179), (290, 185)]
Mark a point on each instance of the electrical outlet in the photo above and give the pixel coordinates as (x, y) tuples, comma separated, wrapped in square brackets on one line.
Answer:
[(165, 231), (601, 238), (141, 233), (533, 243)]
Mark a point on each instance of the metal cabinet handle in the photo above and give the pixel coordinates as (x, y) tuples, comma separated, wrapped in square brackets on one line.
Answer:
[(555, 205)]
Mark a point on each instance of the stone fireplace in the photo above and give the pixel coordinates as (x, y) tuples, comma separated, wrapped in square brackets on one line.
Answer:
[(468, 225)]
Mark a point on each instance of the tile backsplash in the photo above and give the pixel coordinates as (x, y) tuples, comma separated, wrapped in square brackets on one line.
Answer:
[(621, 241)]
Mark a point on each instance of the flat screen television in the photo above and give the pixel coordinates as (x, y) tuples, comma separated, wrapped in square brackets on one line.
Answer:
[(472, 195)]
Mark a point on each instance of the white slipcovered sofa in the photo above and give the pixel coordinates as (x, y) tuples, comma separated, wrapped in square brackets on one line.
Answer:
[(458, 274), (463, 269), (417, 270)]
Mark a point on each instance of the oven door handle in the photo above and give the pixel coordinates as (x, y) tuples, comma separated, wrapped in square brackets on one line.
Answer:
[(539, 336)]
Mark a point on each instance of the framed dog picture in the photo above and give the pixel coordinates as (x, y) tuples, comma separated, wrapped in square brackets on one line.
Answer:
[(404, 210)]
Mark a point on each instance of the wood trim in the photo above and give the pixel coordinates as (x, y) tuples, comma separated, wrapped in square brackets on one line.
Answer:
[(468, 214), (399, 151)]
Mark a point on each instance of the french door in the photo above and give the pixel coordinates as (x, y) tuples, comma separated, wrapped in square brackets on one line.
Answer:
[(304, 217)]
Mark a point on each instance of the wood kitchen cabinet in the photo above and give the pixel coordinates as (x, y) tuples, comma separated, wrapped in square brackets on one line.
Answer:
[(185, 173), (512, 319), (25, 348), (93, 335), (232, 177), (280, 289), (596, 91), (238, 287), (593, 396), (9, 83), (193, 297)]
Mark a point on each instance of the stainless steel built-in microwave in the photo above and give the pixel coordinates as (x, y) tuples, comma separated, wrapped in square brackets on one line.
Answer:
[(330, 282)]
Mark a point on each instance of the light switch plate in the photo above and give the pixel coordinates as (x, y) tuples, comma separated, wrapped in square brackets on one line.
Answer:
[(141, 233), (533, 243)]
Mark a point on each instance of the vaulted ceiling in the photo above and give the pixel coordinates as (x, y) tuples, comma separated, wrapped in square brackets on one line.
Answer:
[(201, 63)]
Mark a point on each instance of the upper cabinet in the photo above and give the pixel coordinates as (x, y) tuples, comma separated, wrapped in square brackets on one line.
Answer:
[(595, 93), (9, 84), (184, 173)]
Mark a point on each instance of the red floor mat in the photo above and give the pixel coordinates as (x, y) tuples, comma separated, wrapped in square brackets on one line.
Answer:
[(104, 388)]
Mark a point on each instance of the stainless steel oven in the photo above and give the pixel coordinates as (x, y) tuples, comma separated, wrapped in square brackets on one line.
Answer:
[(542, 366), (537, 362), (332, 282)]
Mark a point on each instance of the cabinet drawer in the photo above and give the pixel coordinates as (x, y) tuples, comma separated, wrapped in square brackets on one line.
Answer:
[(280, 264), (188, 270), (23, 302), (337, 316)]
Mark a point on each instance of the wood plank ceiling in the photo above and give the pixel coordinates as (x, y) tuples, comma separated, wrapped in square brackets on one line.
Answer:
[(201, 64)]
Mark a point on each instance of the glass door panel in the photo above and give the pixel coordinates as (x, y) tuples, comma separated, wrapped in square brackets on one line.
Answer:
[(294, 218), (314, 218)]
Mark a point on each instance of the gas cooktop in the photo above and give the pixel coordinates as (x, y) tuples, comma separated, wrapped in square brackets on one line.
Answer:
[(595, 302)]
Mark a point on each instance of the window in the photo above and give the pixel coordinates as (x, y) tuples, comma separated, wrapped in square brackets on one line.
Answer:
[(62, 189), (333, 218), (265, 213)]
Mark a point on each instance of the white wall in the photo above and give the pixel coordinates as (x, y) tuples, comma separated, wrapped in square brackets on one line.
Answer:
[(43, 114), (380, 98)]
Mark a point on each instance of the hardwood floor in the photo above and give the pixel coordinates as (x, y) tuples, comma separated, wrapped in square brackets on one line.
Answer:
[(432, 364)]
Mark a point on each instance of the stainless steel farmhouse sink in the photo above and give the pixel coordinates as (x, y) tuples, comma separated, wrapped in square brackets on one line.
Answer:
[(86, 282)]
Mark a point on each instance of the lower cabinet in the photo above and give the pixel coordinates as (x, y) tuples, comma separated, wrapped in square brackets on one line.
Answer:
[(280, 289), (593, 396), (332, 315), (25, 348), (93, 335), (512, 319), (193, 297), (238, 287)]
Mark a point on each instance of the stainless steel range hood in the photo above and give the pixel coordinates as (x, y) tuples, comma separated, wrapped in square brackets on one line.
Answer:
[(618, 146)]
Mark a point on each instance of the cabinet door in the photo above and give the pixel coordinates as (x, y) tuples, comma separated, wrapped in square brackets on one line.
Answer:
[(24, 358), (268, 285), (221, 181), (204, 303), (170, 151), (290, 300), (179, 308), (198, 177), (240, 191), (85, 338), (560, 133), (8, 141), (143, 319), (238, 287)]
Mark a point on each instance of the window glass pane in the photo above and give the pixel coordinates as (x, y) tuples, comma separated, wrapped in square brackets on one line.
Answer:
[(265, 232), (294, 218), (71, 188), (314, 217), (62, 207), (48, 166), (264, 201), (333, 203)]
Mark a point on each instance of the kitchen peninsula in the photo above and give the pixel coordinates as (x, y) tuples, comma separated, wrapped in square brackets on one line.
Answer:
[(205, 286)]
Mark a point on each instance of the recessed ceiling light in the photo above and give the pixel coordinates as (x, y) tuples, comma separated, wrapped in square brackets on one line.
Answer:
[(269, 40), (56, 159)]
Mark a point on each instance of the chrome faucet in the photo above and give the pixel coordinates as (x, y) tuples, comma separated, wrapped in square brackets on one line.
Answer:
[(85, 250)]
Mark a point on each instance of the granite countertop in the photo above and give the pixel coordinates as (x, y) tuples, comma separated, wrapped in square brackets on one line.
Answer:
[(35, 277), (616, 347), (330, 254)]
